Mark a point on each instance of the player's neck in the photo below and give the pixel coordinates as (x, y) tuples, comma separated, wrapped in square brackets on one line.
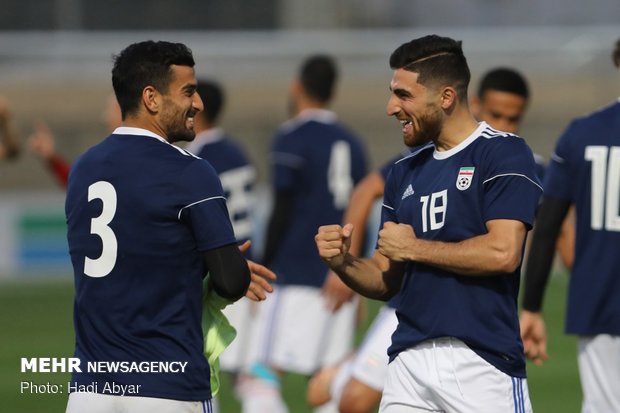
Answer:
[(149, 124), (458, 127)]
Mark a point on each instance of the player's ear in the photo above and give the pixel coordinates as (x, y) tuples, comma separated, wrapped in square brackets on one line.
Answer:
[(448, 97), (151, 99)]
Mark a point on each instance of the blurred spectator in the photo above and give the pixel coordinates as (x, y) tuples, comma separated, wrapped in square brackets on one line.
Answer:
[(42, 142), (9, 143)]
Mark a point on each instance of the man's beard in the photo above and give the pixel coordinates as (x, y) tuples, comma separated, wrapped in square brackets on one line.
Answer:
[(426, 129)]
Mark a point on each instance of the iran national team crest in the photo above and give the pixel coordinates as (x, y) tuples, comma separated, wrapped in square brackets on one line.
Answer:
[(463, 181)]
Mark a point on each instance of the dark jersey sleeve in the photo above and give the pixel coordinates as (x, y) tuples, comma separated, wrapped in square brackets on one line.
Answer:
[(540, 259)]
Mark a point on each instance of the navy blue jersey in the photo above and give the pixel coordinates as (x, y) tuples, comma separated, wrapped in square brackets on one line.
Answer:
[(541, 167), (140, 214), (237, 174), (449, 196), (385, 169), (585, 170), (318, 162)]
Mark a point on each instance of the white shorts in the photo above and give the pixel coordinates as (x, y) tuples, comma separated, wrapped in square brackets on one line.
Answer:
[(599, 371), (240, 315), (295, 332), (370, 364), (444, 375), (110, 403)]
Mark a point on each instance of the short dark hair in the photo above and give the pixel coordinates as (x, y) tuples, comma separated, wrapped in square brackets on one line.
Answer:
[(318, 75), (212, 97), (438, 61), (504, 80), (142, 64), (615, 55)]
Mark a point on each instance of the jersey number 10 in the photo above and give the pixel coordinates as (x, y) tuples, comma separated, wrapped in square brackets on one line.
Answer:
[(605, 187)]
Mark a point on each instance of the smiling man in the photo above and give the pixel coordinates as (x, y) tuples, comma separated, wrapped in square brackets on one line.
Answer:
[(454, 220), (146, 222)]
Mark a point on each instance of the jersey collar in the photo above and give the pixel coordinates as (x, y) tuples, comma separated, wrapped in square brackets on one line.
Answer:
[(458, 148), (126, 130)]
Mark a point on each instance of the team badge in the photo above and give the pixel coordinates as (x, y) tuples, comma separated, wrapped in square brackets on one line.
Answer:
[(466, 174)]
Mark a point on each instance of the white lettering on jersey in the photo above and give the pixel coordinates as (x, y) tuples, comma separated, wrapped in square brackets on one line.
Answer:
[(102, 266), (408, 192), (239, 201), (436, 212), (605, 182), (339, 180)]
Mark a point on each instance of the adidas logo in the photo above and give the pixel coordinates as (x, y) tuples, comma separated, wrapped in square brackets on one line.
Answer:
[(408, 192)]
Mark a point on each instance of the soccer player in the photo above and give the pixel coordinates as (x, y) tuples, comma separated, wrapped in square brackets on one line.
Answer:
[(146, 222), (356, 385), (455, 216), (316, 163), (9, 143), (238, 177), (584, 173)]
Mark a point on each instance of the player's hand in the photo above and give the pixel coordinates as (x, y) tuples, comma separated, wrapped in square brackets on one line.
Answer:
[(260, 278), (41, 141), (333, 242), (395, 241), (534, 336), (335, 292)]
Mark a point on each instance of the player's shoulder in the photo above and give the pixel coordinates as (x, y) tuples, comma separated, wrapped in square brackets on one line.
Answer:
[(415, 155), (493, 141), (605, 117)]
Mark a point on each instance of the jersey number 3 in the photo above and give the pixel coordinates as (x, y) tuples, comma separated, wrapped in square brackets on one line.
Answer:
[(102, 266)]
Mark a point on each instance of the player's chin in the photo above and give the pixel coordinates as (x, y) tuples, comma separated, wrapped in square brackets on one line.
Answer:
[(187, 135)]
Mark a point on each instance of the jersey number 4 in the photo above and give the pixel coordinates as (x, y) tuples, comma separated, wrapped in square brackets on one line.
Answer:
[(605, 187), (102, 266), (339, 179)]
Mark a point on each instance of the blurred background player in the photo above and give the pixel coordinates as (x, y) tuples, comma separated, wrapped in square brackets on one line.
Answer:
[(42, 142), (502, 100), (316, 163), (356, 385), (584, 173), (238, 178), (9, 141)]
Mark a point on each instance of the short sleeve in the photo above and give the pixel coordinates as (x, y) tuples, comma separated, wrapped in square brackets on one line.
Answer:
[(388, 209), (204, 207), (559, 175), (511, 187)]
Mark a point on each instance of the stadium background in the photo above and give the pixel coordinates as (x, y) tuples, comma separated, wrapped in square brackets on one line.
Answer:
[(55, 61)]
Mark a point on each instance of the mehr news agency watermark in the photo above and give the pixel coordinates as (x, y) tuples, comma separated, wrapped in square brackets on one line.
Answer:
[(73, 365)]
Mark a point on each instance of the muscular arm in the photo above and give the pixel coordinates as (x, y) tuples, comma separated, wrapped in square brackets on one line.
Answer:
[(497, 251), (229, 271), (377, 277)]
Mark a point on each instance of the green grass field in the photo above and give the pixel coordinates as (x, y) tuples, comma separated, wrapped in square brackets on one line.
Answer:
[(36, 321)]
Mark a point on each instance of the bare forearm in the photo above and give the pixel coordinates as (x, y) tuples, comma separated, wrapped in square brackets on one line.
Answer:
[(365, 276), (465, 258)]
